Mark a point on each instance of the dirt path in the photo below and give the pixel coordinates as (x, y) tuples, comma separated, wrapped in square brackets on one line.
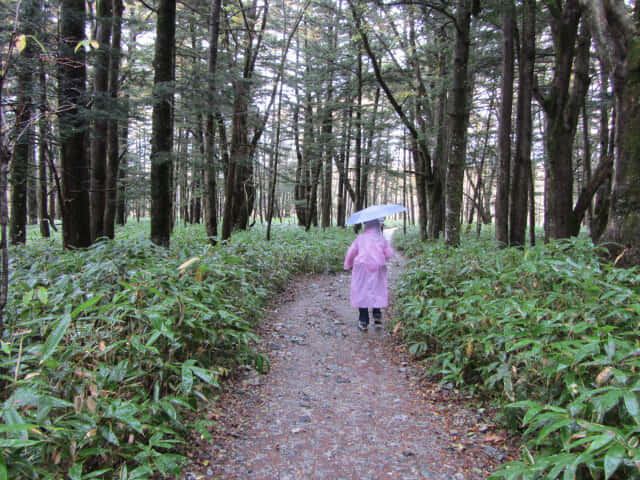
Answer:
[(339, 403)]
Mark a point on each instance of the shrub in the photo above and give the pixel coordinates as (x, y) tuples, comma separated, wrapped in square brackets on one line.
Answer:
[(548, 331), (107, 349)]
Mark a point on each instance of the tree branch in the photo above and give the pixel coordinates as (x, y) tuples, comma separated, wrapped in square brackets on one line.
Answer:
[(378, 73)]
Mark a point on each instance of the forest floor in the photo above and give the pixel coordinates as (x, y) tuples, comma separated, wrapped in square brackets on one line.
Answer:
[(339, 403)]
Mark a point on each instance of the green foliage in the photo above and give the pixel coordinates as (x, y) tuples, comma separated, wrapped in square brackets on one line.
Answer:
[(108, 350), (548, 331)]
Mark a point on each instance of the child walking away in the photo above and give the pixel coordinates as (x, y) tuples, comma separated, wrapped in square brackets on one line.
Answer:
[(367, 256)]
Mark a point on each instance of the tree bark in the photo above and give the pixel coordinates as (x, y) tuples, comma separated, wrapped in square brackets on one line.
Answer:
[(71, 92), (460, 120), (240, 189), (210, 173), (43, 134), (602, 198), (618, 44), (562, 106), (503, 186), (326, 141), (162, 126), (100, 123), (113, 127), (522, 160), (23, 130)]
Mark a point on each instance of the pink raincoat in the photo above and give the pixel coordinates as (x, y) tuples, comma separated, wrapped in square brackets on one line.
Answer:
[(368, 256)]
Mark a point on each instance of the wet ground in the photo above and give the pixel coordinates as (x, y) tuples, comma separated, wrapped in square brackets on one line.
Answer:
[(339, 403)]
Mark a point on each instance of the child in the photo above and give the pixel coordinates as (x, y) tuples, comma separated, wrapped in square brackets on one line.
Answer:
[(368, 256)]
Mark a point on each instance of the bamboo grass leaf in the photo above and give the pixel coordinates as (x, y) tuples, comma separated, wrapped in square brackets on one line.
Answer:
[(55, 337)]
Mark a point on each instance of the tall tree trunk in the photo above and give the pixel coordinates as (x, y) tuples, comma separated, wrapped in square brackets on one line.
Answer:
[(71, 120), (562, 106), (603, 195), (32, 178), (274, 166), (122, 204), (113, 129), (618, 45), (162, 126), (327, 134), (240, 187), (460, 120), (503, 186), (210, 175), (359, 180), (240, 167), (342, 165), (43, 138), (436, 175), (522, 158), (101, 123), (23, 131)]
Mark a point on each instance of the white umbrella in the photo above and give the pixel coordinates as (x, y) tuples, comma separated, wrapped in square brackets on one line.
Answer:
[(373, 212)]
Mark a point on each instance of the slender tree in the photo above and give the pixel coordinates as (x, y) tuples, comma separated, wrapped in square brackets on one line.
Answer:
[(101, 122), (503, 186), (72, 79), (240, 189), (23, 129), (460, 121), (43, 135), (162, 125), (113, 128), (210, 172), (522, 154)]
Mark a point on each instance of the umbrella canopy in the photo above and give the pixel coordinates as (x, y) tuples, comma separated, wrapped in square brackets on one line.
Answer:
[(373, 212)]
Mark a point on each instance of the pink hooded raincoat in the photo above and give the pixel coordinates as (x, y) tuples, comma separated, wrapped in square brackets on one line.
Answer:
[(368, 256)]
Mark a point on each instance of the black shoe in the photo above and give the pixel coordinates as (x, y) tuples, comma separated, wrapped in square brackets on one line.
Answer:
[(377, 318), (363, 326), (377, 321)]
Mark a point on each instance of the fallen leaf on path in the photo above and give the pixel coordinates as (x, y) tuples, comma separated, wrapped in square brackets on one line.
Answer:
[(493, 438)]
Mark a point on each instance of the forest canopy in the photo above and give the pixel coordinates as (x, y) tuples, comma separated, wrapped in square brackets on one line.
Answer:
[(225, 112)]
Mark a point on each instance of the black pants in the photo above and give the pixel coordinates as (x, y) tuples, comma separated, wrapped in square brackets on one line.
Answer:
[(364, 315)]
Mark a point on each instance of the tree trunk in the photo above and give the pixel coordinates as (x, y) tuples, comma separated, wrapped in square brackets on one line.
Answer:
[(210, 174), (327, 134), (43, 134), (503, 186), (359, 202), (32, 178), (602, 199), (122, 205), (162, 126), (562, 106), (619, 48), (71, 120), (342, 165), (23, 132), (522, 159), (436, 178), (240, 167), (460, 120), (240, 189), (101, 123), (113, 129)]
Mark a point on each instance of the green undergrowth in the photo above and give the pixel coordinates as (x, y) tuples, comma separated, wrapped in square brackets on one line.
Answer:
[(108, 351), (549, 332)]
